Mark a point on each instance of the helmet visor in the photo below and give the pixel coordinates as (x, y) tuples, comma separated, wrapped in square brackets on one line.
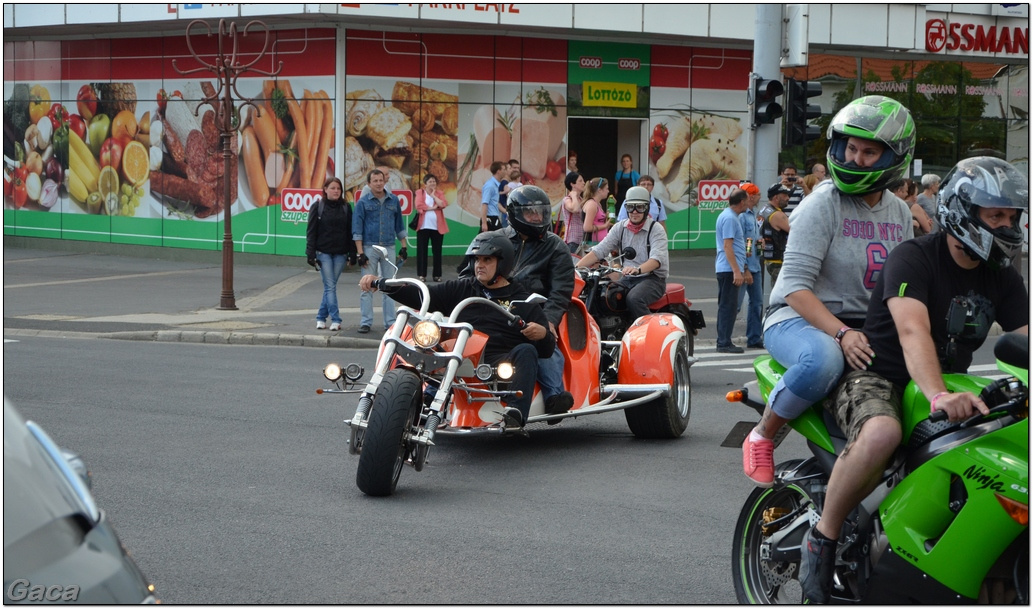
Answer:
[(537, 215), (886, 121)]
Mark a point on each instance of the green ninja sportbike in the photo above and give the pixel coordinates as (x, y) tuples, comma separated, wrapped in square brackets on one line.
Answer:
[(948, 523)]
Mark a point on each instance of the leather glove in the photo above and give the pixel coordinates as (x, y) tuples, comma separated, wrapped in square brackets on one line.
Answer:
[(351, 259), (312, 262), (403, 253), (363, 260)]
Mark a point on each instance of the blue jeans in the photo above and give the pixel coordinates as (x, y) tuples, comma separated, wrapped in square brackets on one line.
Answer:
[(813, 360), (330, 267), (376, 266), (755, 312), (550, 374), (727, 299)]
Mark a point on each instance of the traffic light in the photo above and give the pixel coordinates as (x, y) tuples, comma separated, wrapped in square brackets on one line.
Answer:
[(797, 132), (766, 96)]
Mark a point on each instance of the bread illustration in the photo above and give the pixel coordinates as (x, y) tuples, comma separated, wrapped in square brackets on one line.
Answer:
[(388, 128)]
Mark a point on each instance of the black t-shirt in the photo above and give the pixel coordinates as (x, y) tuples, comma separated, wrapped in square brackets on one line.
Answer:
[(923, 269)]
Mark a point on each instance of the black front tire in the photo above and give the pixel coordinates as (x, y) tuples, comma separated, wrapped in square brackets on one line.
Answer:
[(393, 418), (771, 581), (666, 417)]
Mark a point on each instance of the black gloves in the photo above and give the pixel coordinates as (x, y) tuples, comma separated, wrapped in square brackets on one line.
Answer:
[(363, 260), (403, 253), (313, 262), (351, 258)]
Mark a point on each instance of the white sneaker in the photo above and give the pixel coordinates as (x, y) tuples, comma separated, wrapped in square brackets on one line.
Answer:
[(334, 327), (320, 324)]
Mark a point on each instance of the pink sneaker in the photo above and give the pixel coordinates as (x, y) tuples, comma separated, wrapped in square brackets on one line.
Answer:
[(758, 462)]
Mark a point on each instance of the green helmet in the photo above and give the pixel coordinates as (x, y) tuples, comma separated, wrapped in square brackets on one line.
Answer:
[(876, 118)]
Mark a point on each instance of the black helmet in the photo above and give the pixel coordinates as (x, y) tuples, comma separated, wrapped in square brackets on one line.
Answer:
[(880, 119), (493, 243), (984, 182), (530, 211)]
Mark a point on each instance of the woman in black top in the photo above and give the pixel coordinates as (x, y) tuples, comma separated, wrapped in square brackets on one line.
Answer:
[(329, 246)]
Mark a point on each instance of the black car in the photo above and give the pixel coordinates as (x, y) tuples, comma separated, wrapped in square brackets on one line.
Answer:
[(58, 545)]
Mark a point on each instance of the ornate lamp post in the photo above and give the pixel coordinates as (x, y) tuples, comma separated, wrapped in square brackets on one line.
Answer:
[(227, 68)]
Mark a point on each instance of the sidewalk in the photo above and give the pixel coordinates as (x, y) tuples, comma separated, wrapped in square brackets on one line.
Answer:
[(136, 295), (82, 291)]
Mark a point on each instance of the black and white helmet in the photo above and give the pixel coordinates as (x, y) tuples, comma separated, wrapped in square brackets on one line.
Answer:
[(984, 182)]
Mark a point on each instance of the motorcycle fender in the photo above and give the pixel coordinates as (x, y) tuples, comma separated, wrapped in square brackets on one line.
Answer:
[(648, 349), (579, 344)]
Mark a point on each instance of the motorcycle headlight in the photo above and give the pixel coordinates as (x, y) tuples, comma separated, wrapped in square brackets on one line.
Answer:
[(505, 371), (354, 372), (484, 372), (332, 372), (426, 334)]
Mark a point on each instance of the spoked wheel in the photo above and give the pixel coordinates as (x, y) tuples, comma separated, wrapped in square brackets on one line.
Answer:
[(393, 419), (767, 540), (668, 416)]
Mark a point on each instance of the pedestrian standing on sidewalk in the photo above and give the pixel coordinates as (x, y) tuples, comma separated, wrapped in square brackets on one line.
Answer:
[(377, 221), (430, 204), (755, 289), (329, 246), (730, 267)]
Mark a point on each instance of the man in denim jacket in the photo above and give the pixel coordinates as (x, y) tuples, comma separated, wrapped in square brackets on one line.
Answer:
[(377, 220)]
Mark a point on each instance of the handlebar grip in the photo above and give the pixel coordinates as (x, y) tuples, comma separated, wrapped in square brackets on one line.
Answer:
[(518, 322), (937, 416)]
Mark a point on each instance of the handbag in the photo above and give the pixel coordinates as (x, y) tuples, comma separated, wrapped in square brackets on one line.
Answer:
[(414, 224)]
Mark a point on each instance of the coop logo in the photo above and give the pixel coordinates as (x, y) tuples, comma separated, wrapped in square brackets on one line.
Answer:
[(629, 64), (940, 35), (295, 203), (712, 195), (591, 63)]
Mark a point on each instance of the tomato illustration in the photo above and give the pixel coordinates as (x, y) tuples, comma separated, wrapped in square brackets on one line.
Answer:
[(657, 146), (553, 170), (661, 131)]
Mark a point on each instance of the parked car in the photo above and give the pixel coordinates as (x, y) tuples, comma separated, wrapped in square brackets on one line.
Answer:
[(58, 545)]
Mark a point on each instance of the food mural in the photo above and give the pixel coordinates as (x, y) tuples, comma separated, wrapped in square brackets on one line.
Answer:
[(139, 160)]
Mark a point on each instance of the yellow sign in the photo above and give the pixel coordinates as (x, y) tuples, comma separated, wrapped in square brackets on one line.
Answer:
[(609, 94)]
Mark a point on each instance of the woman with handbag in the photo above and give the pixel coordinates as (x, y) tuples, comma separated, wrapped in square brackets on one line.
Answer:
[(430, 225), (573, 217)]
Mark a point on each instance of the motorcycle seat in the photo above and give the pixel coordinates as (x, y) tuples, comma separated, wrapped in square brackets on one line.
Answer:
[(675, 293)]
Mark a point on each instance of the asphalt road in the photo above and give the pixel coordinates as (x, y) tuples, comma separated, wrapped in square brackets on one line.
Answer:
[(229, 480)]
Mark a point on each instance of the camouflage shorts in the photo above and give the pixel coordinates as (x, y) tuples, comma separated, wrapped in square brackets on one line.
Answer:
[(860, 396)]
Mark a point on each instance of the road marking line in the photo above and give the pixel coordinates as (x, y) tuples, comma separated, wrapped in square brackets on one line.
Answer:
[(92, 279)]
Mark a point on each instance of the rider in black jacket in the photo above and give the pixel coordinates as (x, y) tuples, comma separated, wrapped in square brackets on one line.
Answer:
[(492, 260), (544, 266)]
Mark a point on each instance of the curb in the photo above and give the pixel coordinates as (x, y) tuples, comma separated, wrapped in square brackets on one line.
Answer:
[(212, 338)]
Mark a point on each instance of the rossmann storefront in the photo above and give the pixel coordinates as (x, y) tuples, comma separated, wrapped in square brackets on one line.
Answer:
[(106, 138)]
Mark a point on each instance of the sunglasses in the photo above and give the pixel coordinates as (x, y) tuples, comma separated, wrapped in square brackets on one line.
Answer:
[(639, 207)]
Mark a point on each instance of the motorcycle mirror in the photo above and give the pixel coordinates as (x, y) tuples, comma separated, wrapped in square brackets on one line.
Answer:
[(628, 253), (386, 257)]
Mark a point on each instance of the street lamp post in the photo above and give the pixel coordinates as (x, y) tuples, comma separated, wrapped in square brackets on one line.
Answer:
[(227, 68)]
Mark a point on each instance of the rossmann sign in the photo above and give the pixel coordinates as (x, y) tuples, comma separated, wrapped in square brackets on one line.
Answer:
[(960, 36)]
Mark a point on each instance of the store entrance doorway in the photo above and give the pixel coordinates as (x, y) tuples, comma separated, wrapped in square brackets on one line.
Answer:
[(600, 142)]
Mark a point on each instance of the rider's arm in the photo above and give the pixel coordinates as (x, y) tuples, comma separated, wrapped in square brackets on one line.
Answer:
[(560, 284), (911, 317), (779, 220)]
